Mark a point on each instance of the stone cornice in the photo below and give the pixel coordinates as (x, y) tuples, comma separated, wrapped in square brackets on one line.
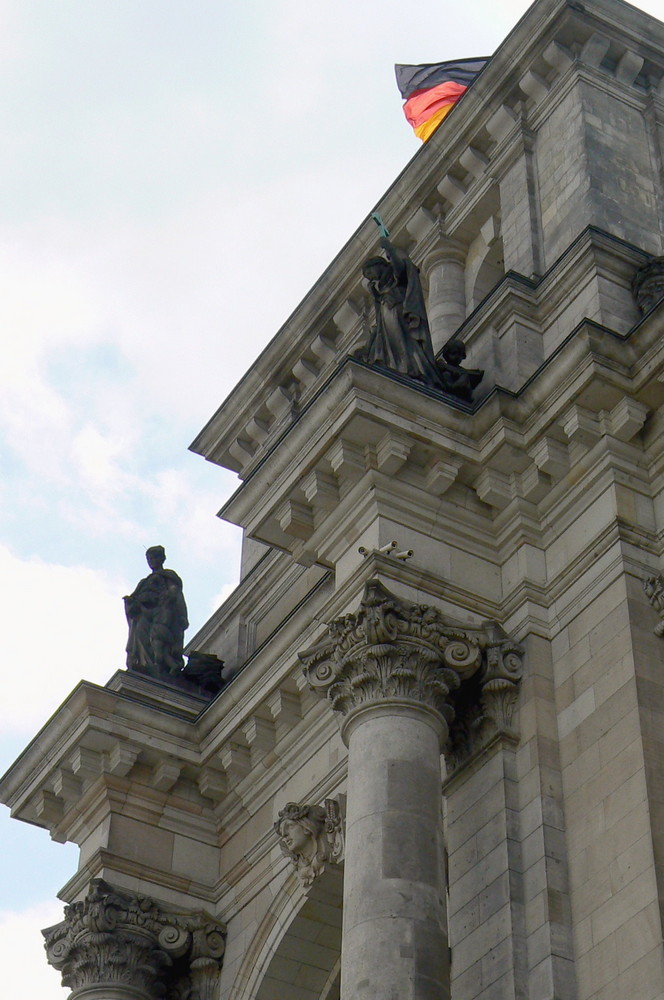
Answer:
[(95, 731), (542, 55), (409, 432)]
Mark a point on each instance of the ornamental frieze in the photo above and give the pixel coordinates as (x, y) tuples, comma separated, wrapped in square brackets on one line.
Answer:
[(392, 649)]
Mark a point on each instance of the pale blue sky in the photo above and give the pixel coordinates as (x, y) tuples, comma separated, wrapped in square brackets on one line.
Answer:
[(174, 177)]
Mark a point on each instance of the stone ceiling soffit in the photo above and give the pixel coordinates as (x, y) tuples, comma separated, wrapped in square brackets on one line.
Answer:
[(359, 406)]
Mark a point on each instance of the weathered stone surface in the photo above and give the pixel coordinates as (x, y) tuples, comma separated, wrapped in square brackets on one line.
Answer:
[(540, 506), (134, 947), (654, 591), (393, 650), (312, 837)]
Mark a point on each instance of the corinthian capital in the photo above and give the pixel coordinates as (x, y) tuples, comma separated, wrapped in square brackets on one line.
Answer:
[(129, 943), (391, 649)]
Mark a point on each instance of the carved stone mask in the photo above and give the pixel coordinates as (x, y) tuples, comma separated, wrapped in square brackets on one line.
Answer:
[(295, 837)]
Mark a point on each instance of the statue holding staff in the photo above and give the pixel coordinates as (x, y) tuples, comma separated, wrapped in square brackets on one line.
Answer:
[(401, 339)]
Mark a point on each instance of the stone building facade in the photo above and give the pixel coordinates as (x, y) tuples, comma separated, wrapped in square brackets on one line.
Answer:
[(421, 575)]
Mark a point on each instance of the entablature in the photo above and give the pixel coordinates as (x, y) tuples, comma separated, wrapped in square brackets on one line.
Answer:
[(429, 214), (370, 434), (510, 334)]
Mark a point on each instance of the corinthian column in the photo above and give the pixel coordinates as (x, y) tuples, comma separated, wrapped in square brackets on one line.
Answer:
[(390, 671), (446, 303), (116, 946)]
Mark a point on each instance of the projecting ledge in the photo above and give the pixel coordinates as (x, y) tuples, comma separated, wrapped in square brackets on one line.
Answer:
[(154, 693), (97, 734), (362, 418)]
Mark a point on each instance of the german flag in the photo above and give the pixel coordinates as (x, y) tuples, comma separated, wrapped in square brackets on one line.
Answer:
[(431, 91)]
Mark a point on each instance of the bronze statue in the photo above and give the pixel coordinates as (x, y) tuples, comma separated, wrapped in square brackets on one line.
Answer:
[(401, 339), (456, 380), (157, 617)]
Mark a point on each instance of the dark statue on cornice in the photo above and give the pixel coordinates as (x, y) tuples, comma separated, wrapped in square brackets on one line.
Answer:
[(401, 339), (456, 380), (157, 617)]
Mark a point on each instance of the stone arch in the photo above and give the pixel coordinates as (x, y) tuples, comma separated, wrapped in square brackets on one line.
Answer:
[(295, 954), (485, 264), (332, 989), (489, 273)]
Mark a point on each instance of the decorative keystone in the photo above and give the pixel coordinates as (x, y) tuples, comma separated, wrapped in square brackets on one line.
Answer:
[(129, 943), (391, 650)]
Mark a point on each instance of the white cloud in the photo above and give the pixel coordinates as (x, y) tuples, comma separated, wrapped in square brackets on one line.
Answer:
[(65, 623), (223, 595), (25, 972), (97, 456)]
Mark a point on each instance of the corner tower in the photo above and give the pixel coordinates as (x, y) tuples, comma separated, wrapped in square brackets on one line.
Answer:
[(424, 573)]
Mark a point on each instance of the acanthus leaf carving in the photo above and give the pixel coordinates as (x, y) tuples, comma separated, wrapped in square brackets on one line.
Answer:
[(391, 649), (116, 937), (500, 683)]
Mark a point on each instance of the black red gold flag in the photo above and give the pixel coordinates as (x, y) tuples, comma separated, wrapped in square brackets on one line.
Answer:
[(432, 89)]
